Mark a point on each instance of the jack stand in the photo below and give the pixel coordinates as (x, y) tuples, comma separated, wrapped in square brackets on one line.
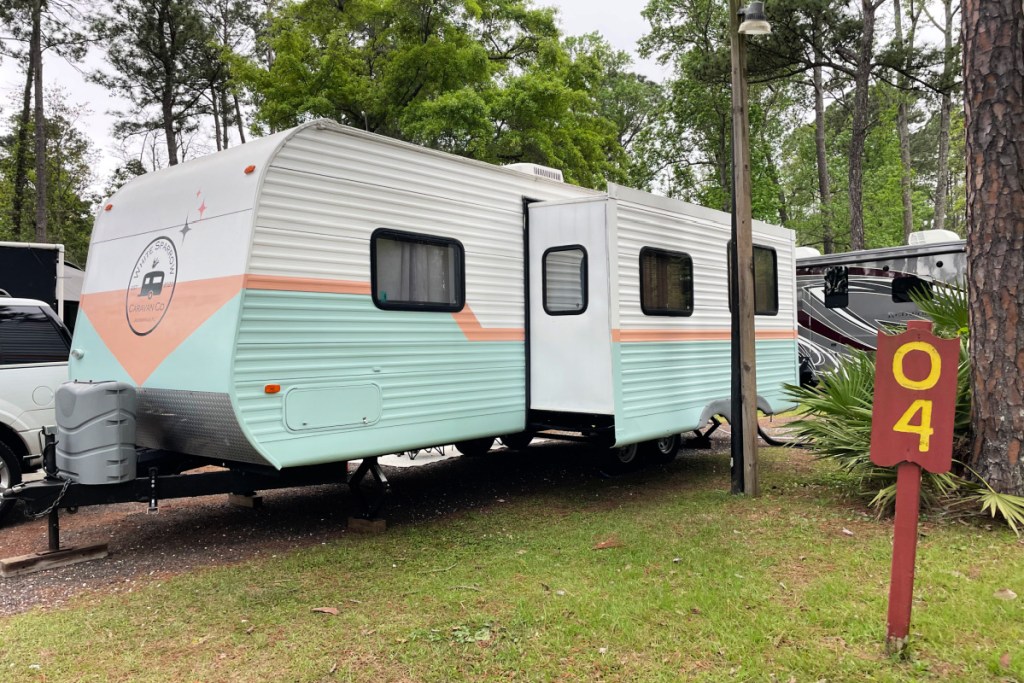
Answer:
[(367, 513), (54, 556)]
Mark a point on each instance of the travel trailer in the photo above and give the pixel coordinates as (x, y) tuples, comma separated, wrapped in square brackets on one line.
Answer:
[(325, 294), (845, 299)]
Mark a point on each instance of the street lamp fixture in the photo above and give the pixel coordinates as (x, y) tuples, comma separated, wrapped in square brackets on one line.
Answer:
[(753, 20)]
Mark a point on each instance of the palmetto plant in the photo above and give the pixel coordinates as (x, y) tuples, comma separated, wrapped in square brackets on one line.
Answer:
[(837, 424)]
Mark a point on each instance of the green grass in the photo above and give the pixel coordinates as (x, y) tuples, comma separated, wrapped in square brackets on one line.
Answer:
[(699, 585)]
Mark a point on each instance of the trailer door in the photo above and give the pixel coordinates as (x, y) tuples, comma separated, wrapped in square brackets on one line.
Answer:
[(570, 330)]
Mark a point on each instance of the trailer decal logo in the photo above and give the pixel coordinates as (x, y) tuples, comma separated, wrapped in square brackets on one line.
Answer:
[(151, 286)]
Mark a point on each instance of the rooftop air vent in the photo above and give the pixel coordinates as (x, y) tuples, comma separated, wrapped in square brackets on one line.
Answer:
[(932, 237), (807, 252), (538, 170)]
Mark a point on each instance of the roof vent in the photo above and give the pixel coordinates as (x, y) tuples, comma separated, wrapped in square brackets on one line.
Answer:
[(807, 252), (932, 237), (538, 170)]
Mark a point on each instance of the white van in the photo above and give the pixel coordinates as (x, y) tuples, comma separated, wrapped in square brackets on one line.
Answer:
[(34, 348)]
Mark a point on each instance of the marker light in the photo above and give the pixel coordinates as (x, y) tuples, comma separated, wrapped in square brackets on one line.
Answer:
[(108, 207), (250, 168), (272, 388)]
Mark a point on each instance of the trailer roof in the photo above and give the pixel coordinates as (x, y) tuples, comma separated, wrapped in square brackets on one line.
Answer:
[(881, 254)]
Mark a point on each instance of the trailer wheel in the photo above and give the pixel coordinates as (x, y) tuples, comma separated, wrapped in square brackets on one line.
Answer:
[(475, 446), (10, 475), (624, 458), (662, 450), (518, 441)]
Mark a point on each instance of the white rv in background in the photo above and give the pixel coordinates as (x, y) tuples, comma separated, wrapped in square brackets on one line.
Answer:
[(325, 294)]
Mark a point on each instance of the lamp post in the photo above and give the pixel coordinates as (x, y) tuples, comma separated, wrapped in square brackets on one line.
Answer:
[(744, 367)]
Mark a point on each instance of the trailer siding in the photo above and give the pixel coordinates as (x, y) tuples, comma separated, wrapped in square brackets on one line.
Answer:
[(440, 377)]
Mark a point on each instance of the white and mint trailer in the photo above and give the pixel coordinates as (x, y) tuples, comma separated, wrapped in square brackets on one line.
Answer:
[(325, 294)]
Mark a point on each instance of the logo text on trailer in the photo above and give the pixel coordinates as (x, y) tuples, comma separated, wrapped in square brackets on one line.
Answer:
[(151, 286)]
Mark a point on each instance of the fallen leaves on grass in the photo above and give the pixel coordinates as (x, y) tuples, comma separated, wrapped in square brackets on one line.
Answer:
[(610, 542), (1004, 594), (1004, 661), (333, 611)]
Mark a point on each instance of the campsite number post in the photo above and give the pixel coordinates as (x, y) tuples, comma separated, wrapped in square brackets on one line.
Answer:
[(911, 428)]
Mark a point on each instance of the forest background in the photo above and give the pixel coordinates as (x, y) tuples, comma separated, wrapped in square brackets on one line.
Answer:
[(856, 107)]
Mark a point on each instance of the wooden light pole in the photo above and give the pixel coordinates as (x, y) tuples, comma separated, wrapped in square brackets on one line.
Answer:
[(744, 365)]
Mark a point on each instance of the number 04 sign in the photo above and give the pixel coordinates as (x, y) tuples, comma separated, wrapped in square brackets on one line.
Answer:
[(911, 427)]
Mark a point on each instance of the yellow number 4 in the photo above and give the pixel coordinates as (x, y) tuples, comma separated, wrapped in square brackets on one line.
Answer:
[(924, 429)]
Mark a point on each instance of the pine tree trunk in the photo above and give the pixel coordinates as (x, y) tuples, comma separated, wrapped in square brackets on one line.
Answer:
[(39, 120), (824, 193), (21, 154), (860, 124), (942, 167), (225, 116), (214, 104), (903, 129), (993, 32), (238, 119)]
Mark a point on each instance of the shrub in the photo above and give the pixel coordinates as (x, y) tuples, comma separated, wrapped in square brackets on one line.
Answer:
[(836, 425)]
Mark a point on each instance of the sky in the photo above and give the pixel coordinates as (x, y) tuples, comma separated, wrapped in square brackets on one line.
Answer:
[(619, 22)]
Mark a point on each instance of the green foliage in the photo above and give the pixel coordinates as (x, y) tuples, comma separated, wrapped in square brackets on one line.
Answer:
[(837, 422), (489, 79), (69, 200)]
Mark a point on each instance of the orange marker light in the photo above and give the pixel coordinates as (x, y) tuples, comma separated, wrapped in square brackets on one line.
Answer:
[(249, 169), (272, 388), (108, 207)]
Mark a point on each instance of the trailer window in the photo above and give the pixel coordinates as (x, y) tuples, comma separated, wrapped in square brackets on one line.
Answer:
[(565, 280), (666, 282), (766, 280), (28, 335), (908, 286), (837, 287), (414, 272)]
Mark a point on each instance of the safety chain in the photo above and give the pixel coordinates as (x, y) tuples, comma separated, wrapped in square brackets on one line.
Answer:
[(60, 496)]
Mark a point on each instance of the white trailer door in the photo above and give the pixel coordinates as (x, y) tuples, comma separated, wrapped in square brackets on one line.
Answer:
[(570, 328)]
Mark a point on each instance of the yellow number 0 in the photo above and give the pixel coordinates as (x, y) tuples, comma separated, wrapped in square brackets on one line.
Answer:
[(933, 375), (924, 430)]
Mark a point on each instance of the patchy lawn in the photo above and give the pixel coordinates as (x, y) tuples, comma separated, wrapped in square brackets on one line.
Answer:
[(658, 575)]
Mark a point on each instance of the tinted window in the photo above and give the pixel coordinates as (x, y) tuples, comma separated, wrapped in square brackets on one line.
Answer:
[(565, 280), (29, 335), (766, 280), (903, 288), (416, 272), (837, 287), (666, 282)]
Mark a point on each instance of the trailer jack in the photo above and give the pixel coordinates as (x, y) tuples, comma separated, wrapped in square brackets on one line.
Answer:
[(366, 510)]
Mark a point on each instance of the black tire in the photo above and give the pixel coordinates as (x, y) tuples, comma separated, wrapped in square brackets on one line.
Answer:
[(474, 447), (518, 441), (662, 450), (10, 475), (624, 458)]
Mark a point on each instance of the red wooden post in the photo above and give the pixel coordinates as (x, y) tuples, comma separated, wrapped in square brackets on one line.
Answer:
[(911, 428), (904, 555)]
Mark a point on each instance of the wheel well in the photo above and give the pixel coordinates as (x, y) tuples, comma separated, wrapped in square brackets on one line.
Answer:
[(10, 438)]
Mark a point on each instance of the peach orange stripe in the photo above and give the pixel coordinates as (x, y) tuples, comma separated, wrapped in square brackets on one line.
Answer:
[(306, 284), (692, 335), (474, 331), (466, 319)]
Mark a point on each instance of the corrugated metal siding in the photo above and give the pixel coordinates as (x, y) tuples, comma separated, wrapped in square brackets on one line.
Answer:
[(427, 373), (679, 378), (324, 194)]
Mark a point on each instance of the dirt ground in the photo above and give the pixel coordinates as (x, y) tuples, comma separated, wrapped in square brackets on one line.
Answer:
[(193, 533)]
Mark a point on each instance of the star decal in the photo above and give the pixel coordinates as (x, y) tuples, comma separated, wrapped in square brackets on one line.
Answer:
[(185, 230), (202, 209)]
